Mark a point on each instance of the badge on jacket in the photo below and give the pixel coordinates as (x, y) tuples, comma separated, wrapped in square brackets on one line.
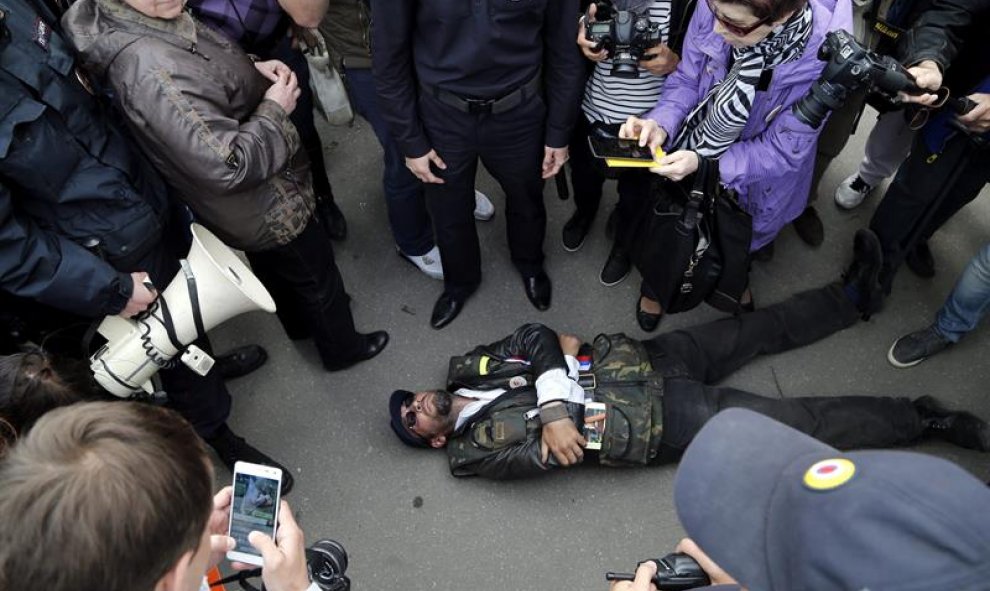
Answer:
[(42, 33)]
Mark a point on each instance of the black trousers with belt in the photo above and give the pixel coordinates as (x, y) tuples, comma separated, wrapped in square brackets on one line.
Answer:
[(303, 279), (510, 145), (693, 359), (588, 175), (926, 193)]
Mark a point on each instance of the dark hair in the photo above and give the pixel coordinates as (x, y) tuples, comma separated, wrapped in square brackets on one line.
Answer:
[(771, 10), (32, 384), (102, 495)]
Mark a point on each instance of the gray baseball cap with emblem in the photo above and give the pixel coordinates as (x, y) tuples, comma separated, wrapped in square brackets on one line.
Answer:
[(780, 511)]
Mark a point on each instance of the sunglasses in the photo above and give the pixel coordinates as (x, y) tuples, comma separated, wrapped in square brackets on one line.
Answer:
[(409, 419), (733, 28)]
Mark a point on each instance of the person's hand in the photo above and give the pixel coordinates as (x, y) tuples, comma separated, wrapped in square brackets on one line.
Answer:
[(141, 296), (597, 420), (927, 76), (647, 131), (563, 440), (978, 120), (553, 159), (643, 581), (587, 47), (420, 167), (663, 60), (678, 165), (284, 90), (220, 542), (283, 560), (302, 38), (569, 344), (272, 69), (714, 571)]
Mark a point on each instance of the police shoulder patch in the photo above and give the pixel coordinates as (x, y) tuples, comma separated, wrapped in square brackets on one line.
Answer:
[(829, 474)]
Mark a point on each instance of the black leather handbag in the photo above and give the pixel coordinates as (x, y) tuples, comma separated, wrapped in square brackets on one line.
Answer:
[(691, 244)]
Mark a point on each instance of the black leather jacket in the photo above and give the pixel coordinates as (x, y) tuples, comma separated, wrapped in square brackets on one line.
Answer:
[(538, 345), (953, 34)]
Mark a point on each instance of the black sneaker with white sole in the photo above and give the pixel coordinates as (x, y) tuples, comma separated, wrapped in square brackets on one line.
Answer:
[(912, 349)]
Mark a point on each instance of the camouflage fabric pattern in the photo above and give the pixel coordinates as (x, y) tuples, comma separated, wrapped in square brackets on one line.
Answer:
[(633, 392), (504, 424)]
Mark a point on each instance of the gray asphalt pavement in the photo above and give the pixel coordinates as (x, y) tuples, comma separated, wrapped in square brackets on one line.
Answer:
[(408, 524)]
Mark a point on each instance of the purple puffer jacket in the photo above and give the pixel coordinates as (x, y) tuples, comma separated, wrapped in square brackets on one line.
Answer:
[(771, 164)]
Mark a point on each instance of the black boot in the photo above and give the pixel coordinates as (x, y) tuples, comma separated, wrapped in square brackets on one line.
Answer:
[(240, 361), (957, 427), (861, 281), (232, 448), (331, 217), (809, 227)]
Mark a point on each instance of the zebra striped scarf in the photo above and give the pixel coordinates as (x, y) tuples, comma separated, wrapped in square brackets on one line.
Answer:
[(718, 120)]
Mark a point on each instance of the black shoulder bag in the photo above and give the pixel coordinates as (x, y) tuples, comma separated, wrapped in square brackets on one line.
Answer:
[(692, 243)]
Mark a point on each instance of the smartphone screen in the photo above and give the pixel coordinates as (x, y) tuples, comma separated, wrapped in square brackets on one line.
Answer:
[(254, 508), (613, 147)]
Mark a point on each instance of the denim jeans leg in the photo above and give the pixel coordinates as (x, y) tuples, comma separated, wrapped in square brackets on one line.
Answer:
[(969, 300), (411, 226)]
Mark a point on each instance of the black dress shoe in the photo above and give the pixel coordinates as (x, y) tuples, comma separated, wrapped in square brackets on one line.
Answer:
[(445, 310), (240, 361), (920, 261), (232, 448), (373, 344), (957, 427), (646, 320), (538, 290), (331, 216), (809, 227)]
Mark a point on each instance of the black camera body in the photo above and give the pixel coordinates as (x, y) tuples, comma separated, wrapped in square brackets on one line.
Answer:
[(851, 67), (625, 34), (675, 572)]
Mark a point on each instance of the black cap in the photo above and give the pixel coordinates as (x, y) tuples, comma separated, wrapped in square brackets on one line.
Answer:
[(781, 511), (395, 410)]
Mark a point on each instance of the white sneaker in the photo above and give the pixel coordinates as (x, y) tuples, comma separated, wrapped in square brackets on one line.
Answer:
[(851, 192), (428, 263), (484, 209)]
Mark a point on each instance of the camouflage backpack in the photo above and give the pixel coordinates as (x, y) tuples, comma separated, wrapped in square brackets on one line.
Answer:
[(632, 391)]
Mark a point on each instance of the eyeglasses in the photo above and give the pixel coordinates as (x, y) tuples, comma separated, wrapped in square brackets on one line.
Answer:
[(733, 28)]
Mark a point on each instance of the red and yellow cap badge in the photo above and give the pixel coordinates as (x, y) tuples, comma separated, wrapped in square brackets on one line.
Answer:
[(829, 474)]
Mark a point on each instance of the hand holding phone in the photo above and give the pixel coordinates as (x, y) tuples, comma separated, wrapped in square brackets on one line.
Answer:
[(284, 558), (255, 506)]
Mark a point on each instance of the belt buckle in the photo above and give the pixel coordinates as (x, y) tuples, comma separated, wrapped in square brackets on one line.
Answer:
[(476, 106)]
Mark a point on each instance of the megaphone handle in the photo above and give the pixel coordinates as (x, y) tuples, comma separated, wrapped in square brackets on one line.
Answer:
[(197, 314)]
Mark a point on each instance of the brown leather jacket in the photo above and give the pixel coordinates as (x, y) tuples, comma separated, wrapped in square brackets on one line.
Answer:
[(195, 103)]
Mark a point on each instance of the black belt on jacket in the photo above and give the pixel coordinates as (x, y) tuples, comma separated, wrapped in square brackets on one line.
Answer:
[(493, 106)]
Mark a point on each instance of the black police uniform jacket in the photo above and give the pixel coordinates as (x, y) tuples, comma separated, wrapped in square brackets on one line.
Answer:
[(503, 439), (78, 206)]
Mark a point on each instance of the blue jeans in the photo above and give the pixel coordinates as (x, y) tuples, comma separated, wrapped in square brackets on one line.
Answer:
[(968, 301), (411, 226)]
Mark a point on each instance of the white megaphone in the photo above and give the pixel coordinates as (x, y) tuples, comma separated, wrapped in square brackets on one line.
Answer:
[(212, 287)]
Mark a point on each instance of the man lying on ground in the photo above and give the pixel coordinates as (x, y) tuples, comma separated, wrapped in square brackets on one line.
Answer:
[(512, 409)]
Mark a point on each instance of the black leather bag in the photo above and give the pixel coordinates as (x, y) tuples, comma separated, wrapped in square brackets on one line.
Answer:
[(691, 244)]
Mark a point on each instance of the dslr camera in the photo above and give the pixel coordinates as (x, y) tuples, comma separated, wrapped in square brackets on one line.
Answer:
[(675, 572), (850, 68), (625, 34)]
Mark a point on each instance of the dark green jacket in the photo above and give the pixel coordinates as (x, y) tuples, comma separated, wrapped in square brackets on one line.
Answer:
[(503, 439), (347, 31)]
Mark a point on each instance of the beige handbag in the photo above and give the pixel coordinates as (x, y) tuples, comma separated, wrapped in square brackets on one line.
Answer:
[(329, 93)]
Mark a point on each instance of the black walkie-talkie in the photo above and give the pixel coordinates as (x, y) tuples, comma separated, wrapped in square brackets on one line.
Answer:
[(675, 571)]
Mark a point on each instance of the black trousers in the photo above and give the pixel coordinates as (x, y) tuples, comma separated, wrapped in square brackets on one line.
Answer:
[(923, 196), (309, 293), (510, 145), (693, 359), (588, 175)]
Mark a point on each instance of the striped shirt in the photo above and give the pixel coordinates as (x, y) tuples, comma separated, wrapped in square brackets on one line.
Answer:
[(611, 99)]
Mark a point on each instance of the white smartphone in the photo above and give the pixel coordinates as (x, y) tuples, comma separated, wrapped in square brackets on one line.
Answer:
[(257, 492)]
